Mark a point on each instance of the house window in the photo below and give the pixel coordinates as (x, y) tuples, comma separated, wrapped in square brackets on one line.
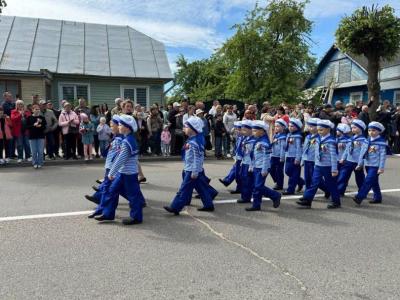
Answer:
[(138, 94), (12, 86), (396, 99), (354, 97), (73, 91)]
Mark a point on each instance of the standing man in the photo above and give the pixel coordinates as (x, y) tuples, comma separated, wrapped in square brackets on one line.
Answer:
[(57, 131), (172, 120), (8, 103), (51, 126)]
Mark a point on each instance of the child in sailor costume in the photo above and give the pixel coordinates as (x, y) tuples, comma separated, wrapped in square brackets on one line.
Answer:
[(293, 157), (373, 157), (342, 139), (278, 154), (193, 167), (234, 173), (351, 157), (123, 175), (325, 167), (245, 171), (260, 165)]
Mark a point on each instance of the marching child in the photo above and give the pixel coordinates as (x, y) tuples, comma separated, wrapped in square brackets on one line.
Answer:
[(278, 154), (308, 157), (86, 129), (373, 156), (111, 155), (261, 161), (193, 168), (325, 167), (351, 157), (234, 173), (342, 140), (166, 141), (293, 157), (124, 177), (104, 134), (246, 175)]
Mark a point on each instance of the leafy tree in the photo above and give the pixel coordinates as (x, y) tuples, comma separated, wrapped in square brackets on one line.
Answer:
[(268, 56), (374, 33)]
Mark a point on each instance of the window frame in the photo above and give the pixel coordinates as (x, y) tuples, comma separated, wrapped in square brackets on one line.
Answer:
[(135, 87), (361, 94), (74, 84), (396, 94)]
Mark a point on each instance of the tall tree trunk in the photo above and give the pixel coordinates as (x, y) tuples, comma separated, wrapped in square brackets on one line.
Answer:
[(374, 87)]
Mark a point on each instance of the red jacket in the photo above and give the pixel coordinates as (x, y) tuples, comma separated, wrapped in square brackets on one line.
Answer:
[(16, 121), (7, 129)]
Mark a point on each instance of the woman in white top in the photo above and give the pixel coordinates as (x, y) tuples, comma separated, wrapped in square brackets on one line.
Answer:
[(228, 119)]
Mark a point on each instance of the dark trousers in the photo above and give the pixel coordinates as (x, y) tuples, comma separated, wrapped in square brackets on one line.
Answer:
[(370, 182), (5, 145), (345, 174), (293, 171), (277, 168), (50, 144), (70, 145), (155, 143), (323, 173), (128, 187), (56, 134), (247, 183), (261, 190), (234, 174), (309, 167), (96, 144), (184, 194), (79, 144), (218, 146)]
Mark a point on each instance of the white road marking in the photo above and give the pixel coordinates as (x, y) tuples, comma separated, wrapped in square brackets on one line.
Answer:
[(86, 212)]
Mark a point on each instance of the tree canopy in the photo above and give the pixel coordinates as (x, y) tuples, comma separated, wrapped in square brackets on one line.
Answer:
[(374, 33), (268, 57)]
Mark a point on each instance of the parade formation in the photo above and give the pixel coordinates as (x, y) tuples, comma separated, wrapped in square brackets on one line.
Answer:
[(328, 158)]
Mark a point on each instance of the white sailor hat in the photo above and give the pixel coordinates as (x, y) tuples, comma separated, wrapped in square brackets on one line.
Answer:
[(195, 123), (129, 122), (377, 126), (296, 122), (237, 124), (325, 124), (281, 122), (115, 119), (312, 121), (343, 128), (247, 124), (260, 125), (360, 124)]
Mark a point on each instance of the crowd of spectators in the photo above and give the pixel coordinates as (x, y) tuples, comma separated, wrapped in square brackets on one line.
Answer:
[(82, 132)]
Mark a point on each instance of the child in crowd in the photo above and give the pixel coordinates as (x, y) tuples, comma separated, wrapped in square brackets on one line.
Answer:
[(325, 167), (193, 170), (123, 175), (234, 173), (293, 157), (246, 175), (111, 155), (278, 154), (342, 140), (36, 124), (104, 133), (166, 141), (351, 157), (86, 129), (261, 160), (5, 137), (373, 156)]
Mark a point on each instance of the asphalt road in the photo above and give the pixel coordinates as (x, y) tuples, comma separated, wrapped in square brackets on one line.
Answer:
[(285, 253)]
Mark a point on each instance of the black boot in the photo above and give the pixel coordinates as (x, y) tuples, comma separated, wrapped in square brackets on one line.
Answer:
[(356, 200), (172, 211), (103, 218), (241, 201), (223, 182), (95, 188), (333, 205), (235, 192), (206, 208), (277, 188), (253, 208), (130, 221), (94, 214), (92, 199), (286, 193), (277, 201), (375, 201), (304, 203)]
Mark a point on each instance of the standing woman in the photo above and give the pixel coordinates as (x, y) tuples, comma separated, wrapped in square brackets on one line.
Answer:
[(69, 123), (95, 120), (36, 124), (228, 119), (19, 116)]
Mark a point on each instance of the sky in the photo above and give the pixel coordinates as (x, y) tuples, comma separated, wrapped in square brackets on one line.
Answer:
[(194, 28)]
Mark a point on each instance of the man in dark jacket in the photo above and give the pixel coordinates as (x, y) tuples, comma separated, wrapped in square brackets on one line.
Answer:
[(172, 120)]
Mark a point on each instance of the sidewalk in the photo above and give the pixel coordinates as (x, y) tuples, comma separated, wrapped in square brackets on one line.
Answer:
[(96, 161)]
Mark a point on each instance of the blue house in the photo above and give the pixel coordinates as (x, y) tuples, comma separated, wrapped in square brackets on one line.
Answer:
[(343, 76)]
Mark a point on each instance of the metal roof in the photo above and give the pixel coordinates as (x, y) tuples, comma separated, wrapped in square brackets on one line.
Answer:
[(65, 47)]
